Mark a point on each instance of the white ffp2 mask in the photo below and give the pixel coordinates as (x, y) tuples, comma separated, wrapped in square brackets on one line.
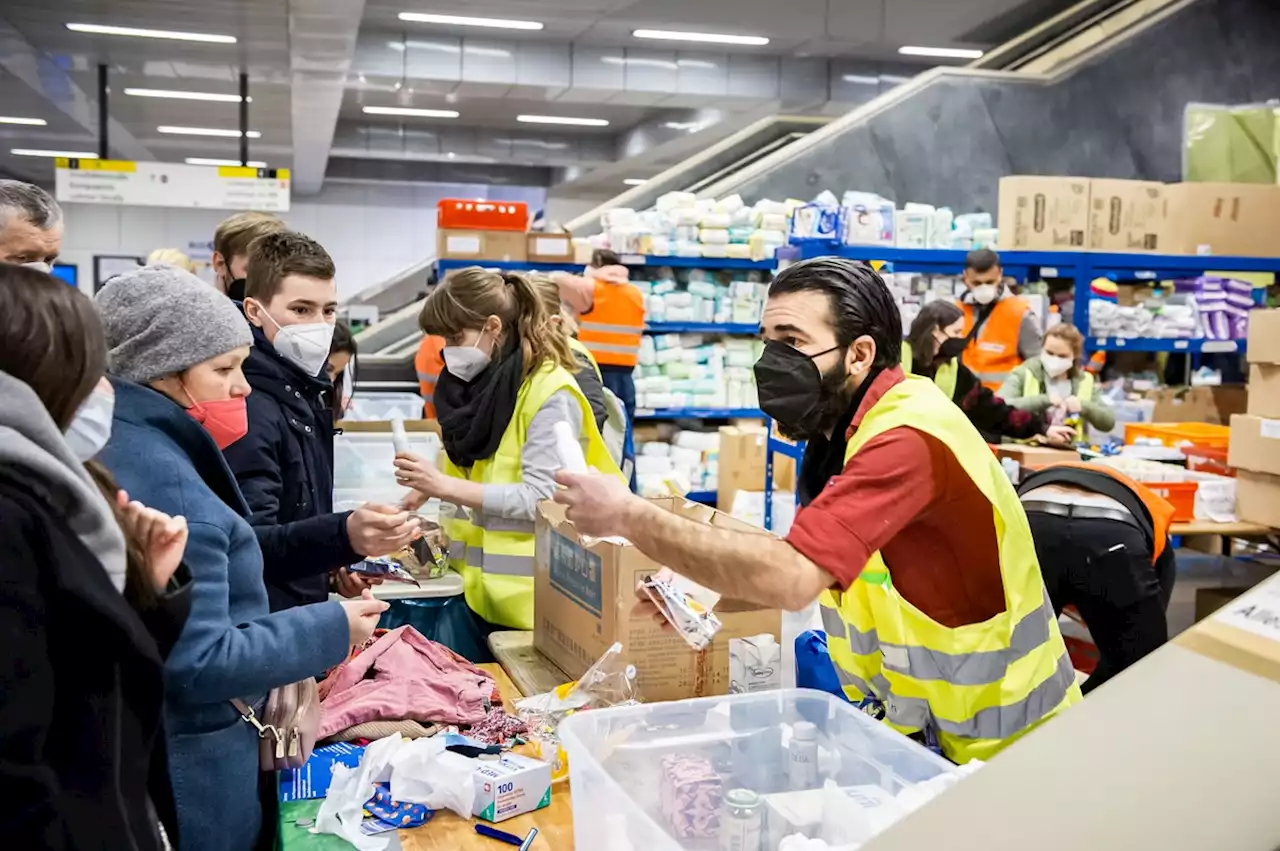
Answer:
[(1055, 365), (305, 345), (985, 293), (465, 362)]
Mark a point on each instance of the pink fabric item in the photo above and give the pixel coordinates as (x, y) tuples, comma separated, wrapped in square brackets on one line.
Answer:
[(405, 676), (579, 291), (608, 274)]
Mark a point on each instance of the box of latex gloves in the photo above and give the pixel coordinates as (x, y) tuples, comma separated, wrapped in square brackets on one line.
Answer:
[(511, 786)]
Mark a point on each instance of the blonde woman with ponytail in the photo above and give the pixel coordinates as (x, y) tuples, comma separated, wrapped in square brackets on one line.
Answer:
[(508, 382)]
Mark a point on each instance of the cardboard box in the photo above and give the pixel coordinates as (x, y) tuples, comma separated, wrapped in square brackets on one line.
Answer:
[(1043, 213), (742, 462), (584, 601), (1126, 215), (510, 787), (1236, 219), (1258, 498), (1209, 600), (480, 245), (1255, 444), (1264, 390), (1264, 336), (550, 248), (1035, 457), (1213, 405)]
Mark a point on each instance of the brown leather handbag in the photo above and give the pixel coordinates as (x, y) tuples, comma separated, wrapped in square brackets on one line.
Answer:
[(288, 726)]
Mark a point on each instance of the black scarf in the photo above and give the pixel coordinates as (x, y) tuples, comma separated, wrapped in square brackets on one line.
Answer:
[(474, 415), (824, 457)]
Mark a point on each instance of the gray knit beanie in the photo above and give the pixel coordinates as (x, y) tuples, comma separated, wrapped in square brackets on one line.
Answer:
[(162, 320)]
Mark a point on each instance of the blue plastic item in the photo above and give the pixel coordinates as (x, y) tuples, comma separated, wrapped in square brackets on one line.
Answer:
[(813, 664)]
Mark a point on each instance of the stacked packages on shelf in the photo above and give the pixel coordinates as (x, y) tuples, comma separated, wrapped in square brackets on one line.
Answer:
[(865, 218), (687, 371), (704, 296), (670, 460), (682, 225), (1206, 307)]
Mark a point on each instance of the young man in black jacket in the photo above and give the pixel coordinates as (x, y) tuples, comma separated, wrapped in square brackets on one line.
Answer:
[(285, 463)]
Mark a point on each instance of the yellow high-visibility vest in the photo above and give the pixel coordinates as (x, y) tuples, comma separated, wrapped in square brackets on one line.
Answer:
[(944, 377), (495, 555), (976, 687), (1031, 387), (579, 348)]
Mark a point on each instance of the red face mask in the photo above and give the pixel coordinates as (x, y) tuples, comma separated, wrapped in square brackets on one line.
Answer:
[(226, 420)]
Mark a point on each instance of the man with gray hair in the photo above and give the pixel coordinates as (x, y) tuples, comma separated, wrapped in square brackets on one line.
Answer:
[(30, 225)]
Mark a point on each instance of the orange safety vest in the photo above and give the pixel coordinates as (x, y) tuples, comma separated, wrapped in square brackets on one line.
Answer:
[(428, 362), (611, 330), (993, 352), (1160, 509)]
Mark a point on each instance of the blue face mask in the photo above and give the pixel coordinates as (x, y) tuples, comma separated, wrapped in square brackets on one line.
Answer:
[(90, 429)]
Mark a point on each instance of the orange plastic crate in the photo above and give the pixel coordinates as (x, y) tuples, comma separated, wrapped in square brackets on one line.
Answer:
[(1209, 459), (470, 214), (1181, 495), (1174, 434)]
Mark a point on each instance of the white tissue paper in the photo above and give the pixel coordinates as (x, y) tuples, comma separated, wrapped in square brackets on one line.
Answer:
[(343, 808), (423, 772)]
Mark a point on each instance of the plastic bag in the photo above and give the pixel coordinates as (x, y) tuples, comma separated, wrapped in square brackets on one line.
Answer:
[(610, 681)]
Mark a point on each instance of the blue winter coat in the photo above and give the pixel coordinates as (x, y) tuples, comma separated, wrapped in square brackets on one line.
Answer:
[(284, 466), (231, 645)]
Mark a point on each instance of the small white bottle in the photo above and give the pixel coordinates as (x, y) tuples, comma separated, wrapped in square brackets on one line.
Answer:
[(570, 451), (399, 437), (802, 768)]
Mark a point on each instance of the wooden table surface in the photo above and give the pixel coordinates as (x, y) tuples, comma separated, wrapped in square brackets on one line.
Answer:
[(447, 831), (1205, 527)]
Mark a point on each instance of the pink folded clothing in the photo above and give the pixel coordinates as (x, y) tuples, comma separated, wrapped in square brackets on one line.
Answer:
[(405, 676)]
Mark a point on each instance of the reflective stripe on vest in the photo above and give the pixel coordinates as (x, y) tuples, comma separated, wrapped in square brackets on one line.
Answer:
[(612, 329), (977, 686), (944, 376), (496, 563), (993, 352), (1083, 391)]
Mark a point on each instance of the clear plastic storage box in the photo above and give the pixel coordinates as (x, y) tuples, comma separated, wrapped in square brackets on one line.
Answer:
[(364, 465), (378, 407), (741, 773)]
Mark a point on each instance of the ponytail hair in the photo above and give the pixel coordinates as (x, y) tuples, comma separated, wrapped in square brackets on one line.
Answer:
[(469, 296)]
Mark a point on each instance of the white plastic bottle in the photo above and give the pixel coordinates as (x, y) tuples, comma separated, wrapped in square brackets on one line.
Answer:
[(399, 437), (802, 766), (570, 451)]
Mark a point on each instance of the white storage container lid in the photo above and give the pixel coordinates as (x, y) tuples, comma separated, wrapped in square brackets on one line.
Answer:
[(623, 800), (369, 406)]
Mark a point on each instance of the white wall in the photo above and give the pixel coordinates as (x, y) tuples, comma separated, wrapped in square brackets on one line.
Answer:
[(373, 231)]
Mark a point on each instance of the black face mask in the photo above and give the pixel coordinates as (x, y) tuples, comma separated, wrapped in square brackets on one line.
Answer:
[(794, 392), (235, 289), (951, 348)]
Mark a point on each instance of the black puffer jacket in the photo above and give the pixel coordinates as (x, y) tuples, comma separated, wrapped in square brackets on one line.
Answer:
[(82, 750), (284, 466)]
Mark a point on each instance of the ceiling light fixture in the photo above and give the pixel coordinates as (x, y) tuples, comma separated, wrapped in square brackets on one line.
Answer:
[(206, 131), (406, 110), (177, 95), (40, 152), (212, 161), (560, 119), (635, 181), (97, 29), (709, 38), (468, 21), (861, 79), (30, 122), (943, 52)]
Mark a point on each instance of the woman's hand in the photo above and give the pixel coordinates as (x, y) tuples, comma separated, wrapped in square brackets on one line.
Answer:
[(1055, 401), (416, 472), (362, 616), (161, 538), (1059, 435), (1073, 404)]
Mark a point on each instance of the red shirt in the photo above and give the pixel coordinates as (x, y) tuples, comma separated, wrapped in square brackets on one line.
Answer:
[(905, 495)]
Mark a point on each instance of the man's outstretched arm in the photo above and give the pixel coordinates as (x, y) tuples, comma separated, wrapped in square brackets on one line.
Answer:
[(755, 568)]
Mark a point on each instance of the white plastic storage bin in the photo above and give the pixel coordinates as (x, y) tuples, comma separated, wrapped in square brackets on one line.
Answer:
[(668, 776), (365, 461), (379, 407)]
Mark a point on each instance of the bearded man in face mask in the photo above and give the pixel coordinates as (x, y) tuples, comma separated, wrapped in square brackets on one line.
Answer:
[(914, 543), (1007, 331), (30, 226)]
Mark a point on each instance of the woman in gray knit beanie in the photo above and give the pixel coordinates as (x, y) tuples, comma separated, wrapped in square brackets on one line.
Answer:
[(175, 347)]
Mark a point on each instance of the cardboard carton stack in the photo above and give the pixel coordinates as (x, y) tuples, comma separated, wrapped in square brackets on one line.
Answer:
[(742, 462), (1255, 435), (467, 229)]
